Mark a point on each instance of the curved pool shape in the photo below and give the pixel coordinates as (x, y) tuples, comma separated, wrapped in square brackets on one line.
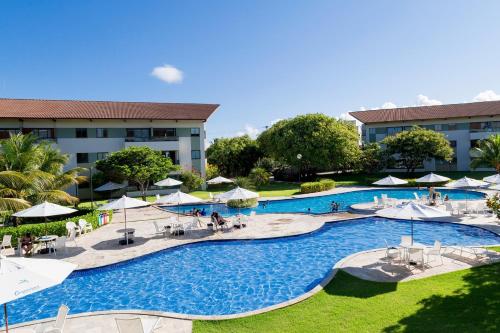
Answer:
[(228, 277), (321, 204)]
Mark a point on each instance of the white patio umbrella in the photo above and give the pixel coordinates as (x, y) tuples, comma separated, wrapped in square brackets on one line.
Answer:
[(495, 179), (219, 180), (178, 198), (45, 209), (432, 178), (495, 187), (109, 186), (123, 203), (168, 182), (238, 193), (20, 277), (410, 211), (466, 183), (390, 181)]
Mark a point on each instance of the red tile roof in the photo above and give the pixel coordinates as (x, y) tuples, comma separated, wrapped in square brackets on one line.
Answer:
[(476, 109), (63, 109)]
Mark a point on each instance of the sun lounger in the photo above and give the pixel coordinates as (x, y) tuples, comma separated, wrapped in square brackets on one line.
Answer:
[(136, 325), (58, 326)]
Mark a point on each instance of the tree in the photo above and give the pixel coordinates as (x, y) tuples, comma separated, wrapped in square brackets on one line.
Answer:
[(414, 146), (373, 158), (31, 171), (212, 171), (140, 166), (234, 156), (324, 143), (191, 180), (488, 153)]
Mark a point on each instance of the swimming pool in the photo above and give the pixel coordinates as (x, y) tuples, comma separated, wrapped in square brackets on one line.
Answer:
[(228, 277), (321, 204)]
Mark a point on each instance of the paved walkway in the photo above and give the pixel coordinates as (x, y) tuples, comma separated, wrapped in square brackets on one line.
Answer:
[(374, 266)]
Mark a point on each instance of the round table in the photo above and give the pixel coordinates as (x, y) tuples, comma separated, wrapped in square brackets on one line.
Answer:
[(46, 240)]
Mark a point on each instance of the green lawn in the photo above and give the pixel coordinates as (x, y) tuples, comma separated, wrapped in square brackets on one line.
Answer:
[(462, 301)]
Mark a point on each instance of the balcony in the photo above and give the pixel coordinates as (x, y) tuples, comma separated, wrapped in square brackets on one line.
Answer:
[(151, 138)]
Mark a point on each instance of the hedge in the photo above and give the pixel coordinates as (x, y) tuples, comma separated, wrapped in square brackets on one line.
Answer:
[(242, 203), (321, 185), (50, 228)]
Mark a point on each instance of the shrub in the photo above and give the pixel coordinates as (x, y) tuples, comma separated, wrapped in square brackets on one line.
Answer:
[(259, 177), (266, 163), (242, 203), (57, 228), (244, 182), (318, 186), (493, 203), (191, 180)]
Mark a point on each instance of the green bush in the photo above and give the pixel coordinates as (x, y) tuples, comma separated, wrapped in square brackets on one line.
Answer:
[(191, 180), (259, 177), (318, 186), (50, 228), (244, 182), (242, 203)]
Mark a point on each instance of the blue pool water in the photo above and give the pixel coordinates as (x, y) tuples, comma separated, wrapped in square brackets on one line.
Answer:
[(321, 204), (228, 277)]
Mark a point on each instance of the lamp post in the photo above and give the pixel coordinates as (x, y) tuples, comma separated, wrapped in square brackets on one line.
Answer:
[(299, 157), (91, 188)]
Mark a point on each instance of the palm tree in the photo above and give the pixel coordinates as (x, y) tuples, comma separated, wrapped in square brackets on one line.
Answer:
[(32, 172), (488, 153)]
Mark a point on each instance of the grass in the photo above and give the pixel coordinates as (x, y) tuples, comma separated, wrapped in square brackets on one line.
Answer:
[(461, 301)]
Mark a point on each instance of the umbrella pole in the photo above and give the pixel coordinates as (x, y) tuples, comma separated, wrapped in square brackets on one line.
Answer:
[(412, 231), (126, 233), (6, 318)]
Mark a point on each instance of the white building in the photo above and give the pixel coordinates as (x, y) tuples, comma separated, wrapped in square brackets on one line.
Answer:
[(462, 124), (88, 130)]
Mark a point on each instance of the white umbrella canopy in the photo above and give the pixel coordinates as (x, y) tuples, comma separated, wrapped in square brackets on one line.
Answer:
[(109, 186), (389, 181), (123, 203), (410, 211), (432, 178), (237, 194), (219, 180), (168, 182), (178, 198), (495, 187), (495, 179), (45, 209), (466, 182), (20, 277)]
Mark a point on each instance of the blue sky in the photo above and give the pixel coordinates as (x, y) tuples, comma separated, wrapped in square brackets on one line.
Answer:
[(261, 60)]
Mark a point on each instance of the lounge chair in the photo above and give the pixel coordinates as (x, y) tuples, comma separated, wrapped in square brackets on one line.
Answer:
[(434, 251), (6, 242), (377, 203), (84, 226), (58, 326), (416, 196), (135, 325)]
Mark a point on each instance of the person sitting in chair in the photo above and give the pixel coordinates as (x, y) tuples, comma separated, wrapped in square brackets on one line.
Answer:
[(27, 244)]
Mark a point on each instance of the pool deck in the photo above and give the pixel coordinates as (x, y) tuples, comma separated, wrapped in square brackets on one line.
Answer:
[(100, 248)]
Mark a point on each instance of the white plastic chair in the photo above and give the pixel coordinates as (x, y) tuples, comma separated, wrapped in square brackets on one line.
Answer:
[(72, 236), (6, 242), (462, 208), (59, 244), (416, 255), (135, 325), (391, 252), (449, 207), (191, 225), (376, 202), (416, 196), (70, 225), (84, 226), (58, 326), (159, 230), (434, 251)]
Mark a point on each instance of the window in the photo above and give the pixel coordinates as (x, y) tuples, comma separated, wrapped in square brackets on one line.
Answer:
[(5, 133), (43, 133), (195, 154), (452, 127), (101, 132), (101, 156), (372, 130), (453, 144), (164, 132), (81, 132), (381, 130), (393, 130), (195, 131), (82, 157), (474, 143), (438, 127), (172, 154), (138, 134)]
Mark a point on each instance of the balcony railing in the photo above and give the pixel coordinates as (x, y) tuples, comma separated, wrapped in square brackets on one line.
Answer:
[(152, 138)]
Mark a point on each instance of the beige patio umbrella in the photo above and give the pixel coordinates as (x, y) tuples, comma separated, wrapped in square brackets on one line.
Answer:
[(390, 181)]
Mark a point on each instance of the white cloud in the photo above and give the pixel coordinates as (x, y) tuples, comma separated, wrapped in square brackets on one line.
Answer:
[(168, 74), (423, 100), (250, 130), (389, 105), (487, 95), (275, 121)]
